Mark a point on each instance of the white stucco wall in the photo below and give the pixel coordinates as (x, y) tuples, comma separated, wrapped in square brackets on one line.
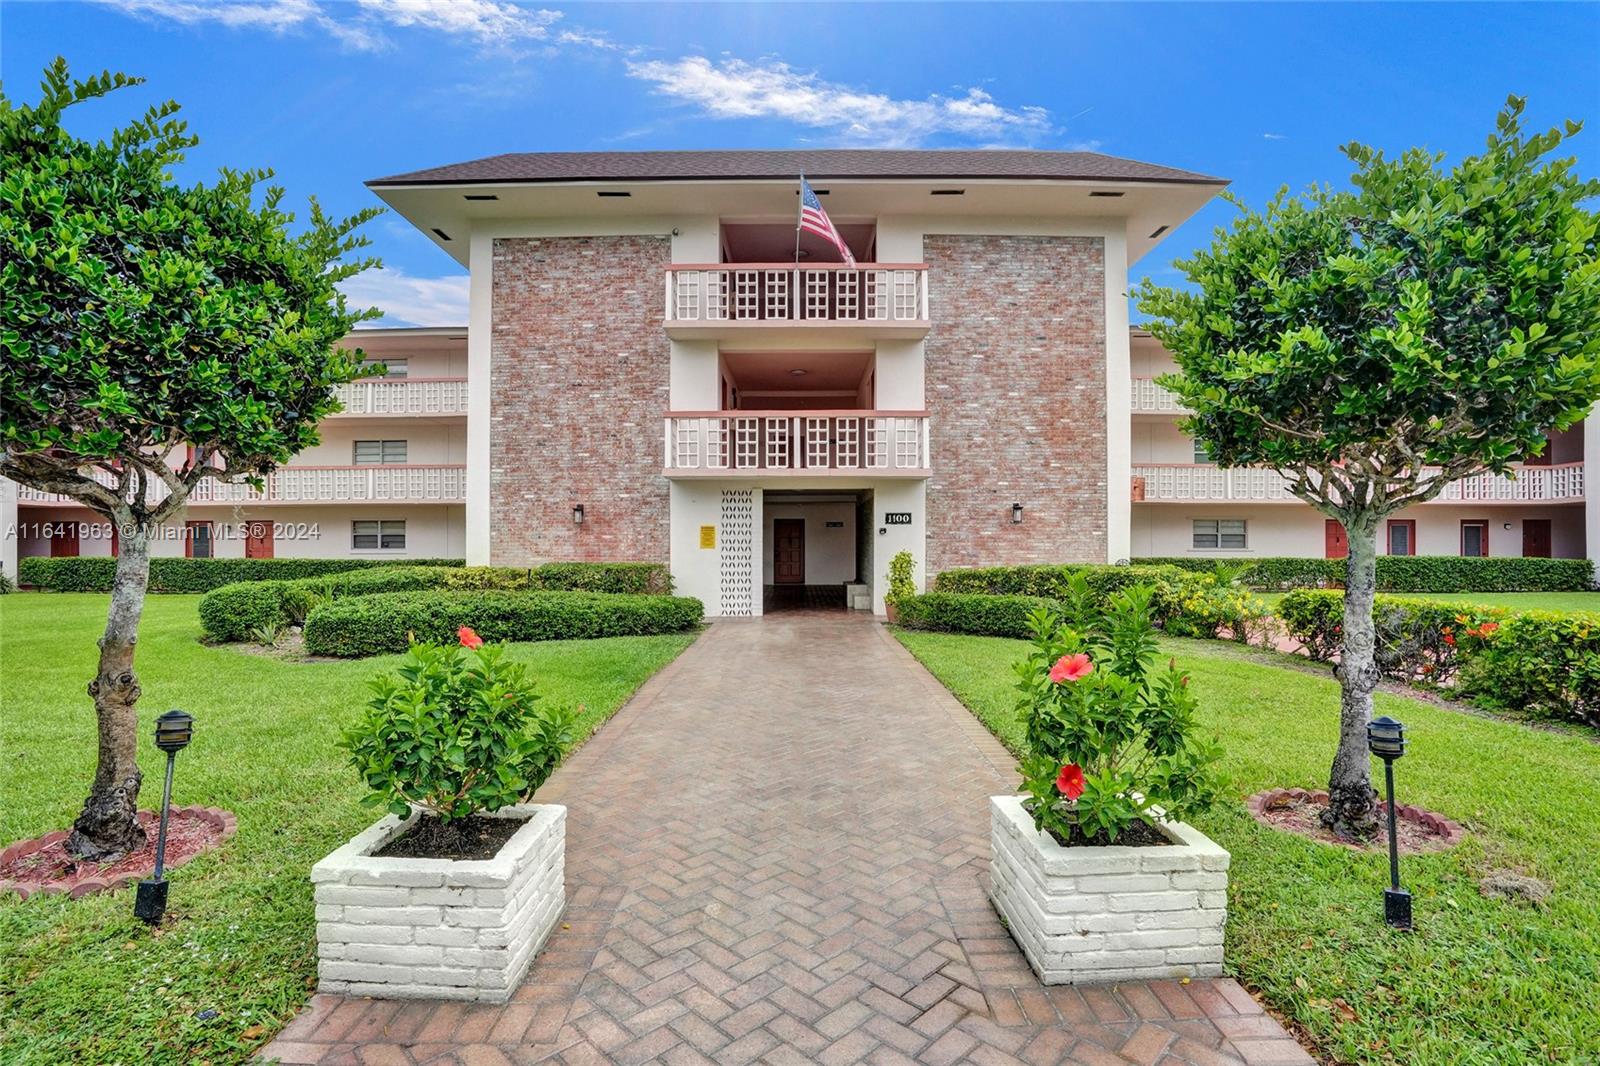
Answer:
[(830, 552)]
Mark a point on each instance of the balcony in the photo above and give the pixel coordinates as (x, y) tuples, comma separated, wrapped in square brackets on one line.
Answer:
[(1186, 482), (1151, 399), (797, 443), (744, 299), (311, 485), (390, 397)]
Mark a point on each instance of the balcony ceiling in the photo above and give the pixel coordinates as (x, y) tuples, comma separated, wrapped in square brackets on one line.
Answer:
[(773, 242), (770, 371)]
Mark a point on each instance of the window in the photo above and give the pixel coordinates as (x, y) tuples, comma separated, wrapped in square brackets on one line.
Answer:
[(1220, 533), (393, 368), (374, 536), (1202, 454), (198, 544), (1475, 538), (376, 452), (1402, 536)]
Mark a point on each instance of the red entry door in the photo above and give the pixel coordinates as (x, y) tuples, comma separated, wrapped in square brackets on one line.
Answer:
[(1536, 538), (64, 540), (258, 540), (789, 551), (1336, 542)]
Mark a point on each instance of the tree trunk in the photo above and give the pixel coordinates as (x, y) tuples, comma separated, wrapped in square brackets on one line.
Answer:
[(107, 828), (1352, 803)]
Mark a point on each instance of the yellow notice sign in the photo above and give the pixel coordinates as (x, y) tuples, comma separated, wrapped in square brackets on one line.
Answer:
[(708, 536)]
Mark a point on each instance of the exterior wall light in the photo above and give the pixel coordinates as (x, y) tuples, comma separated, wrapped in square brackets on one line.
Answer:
[(1386, 738), (1016, 514), (577, 514), (174, 730)]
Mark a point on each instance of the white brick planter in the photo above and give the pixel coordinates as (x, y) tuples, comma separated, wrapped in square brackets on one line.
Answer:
[(1083, 915), (398, 928)]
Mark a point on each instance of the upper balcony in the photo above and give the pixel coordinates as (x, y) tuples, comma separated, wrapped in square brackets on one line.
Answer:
[(403, 397), (432, 483), (719, 300), (1148, 398), (1193, 482), (797, 443)]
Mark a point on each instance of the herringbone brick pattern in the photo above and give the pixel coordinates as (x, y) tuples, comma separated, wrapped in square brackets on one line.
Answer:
[(774, 854)]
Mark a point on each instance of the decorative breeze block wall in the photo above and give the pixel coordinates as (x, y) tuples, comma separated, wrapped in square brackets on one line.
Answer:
[(1097, 914), (438, 928)]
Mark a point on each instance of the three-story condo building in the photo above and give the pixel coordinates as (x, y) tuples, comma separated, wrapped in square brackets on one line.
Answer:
[(658, 369)]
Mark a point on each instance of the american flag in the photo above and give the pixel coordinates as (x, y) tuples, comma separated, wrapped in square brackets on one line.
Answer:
[(815, 219)]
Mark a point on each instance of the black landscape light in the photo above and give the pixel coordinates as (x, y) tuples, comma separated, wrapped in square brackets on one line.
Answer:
[(1386, 738), (174, 730)]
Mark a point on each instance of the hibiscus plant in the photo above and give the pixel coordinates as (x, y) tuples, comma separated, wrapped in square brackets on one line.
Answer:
[(460, 730), (1110, 740)]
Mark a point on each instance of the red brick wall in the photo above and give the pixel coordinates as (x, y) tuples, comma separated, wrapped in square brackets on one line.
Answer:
[(579, 386), (1016, 392)]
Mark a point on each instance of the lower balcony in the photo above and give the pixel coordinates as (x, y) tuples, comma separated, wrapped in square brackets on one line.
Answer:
[(797, 443), (1183, 482), (312, 484)]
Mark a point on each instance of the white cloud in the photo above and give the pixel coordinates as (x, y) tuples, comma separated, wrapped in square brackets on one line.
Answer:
[(488, 21), (735, 88), (407, 300), (276, 15), (1274, 136)]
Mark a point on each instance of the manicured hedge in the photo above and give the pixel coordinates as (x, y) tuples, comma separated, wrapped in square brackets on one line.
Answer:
[(1541, 662), (972, 612), (94, 573), (371, 625), (1408, 573), (640, 579), (1048, 580)]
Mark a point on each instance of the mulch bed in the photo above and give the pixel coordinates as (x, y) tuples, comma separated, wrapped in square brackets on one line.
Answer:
[(1299, 810), (471, 838), (42, 867)]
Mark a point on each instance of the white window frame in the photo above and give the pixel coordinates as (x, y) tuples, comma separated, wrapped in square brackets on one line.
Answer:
[(1219, 533), (1202, 455), (383, 530), (393, 368), (386, 448)]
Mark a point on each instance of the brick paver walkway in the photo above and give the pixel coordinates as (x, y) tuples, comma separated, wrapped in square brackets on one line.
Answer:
[(775, 854)]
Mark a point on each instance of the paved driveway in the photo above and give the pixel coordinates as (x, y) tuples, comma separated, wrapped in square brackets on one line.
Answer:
[(775, 853)]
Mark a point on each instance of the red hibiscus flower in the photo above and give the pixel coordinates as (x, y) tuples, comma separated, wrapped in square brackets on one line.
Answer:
[(1071, 668), (1450, 639), (1069, 782), (468, 638)]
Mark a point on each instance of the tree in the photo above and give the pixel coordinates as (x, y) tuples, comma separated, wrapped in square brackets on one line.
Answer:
[(153, 335), (1373, 345)]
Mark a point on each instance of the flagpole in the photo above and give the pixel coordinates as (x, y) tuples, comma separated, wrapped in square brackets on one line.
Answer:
[(799, 214)]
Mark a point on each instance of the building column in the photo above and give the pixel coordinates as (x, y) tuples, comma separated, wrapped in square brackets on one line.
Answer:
[(10, 535), (1591, 498), (480, 341)]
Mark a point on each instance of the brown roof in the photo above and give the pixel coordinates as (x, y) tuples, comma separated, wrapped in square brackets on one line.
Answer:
[(936, 164)]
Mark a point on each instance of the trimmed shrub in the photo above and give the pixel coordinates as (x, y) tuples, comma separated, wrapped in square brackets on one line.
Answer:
[(167, 574), (1407, 573), (479, 578), (1420, 641), (972, 612), (1543, 662), (357, 626), (639, 579), (233, 612)]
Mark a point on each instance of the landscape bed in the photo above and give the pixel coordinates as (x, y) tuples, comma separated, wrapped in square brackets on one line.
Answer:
[(1483, 980), (82, 980)]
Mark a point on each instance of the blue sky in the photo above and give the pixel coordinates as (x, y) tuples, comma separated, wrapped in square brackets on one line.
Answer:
[(330, 93)]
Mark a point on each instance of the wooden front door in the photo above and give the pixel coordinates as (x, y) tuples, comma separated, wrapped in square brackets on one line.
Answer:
[(1536, 538), (1335, 541), (258, 540), (789, 551), (64, 540)]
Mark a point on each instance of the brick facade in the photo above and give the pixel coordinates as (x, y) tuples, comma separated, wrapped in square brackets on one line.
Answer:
[(579, 385), (1016, 390)]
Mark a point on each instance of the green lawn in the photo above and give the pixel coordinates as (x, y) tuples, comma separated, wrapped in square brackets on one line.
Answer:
[(82, 981), (1481, 981), (1517, 601)]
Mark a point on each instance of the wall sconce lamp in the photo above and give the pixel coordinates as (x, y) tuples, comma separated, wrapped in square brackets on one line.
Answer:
[(577, 514), (1016, 514)]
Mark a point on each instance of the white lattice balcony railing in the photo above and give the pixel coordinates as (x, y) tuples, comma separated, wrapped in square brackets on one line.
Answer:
[(1151, 399), (312, 484), (404, 396), (890, 443), (1169, 482), (869, 293)]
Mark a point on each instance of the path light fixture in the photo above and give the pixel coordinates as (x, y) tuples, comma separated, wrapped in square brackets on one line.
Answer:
[(577, 514), (1016, 514), (173, 733), (1386, 738)]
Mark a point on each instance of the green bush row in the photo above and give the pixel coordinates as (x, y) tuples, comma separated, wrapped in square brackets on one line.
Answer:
[(94, 573), (1541, 662), (972, 612), (371, 625), (1404, 573), (1048, 580)]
